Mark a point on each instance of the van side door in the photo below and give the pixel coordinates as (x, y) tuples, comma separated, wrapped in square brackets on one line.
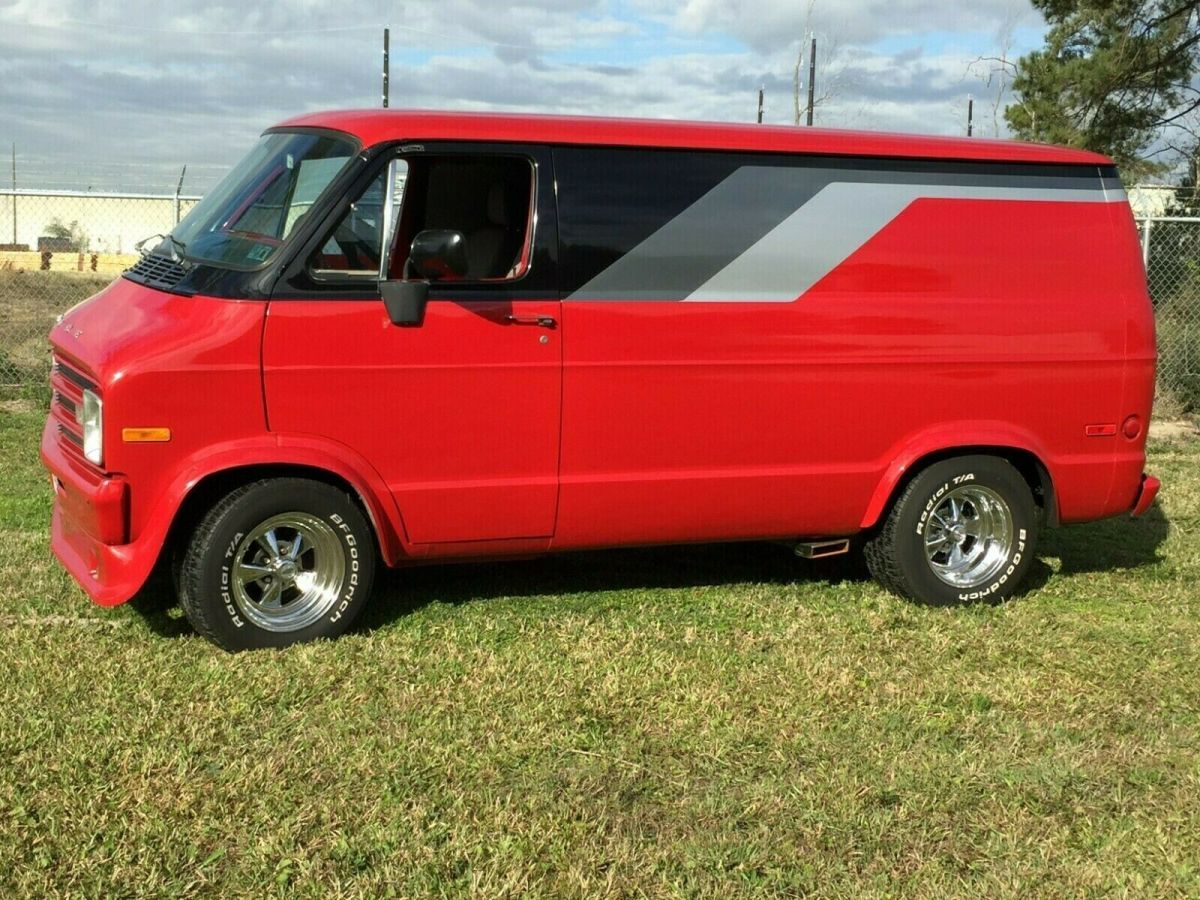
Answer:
[(459, 415), (689, 415)]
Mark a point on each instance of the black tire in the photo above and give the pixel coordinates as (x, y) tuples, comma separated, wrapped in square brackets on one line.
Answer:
[(898, 557), (313, 585)]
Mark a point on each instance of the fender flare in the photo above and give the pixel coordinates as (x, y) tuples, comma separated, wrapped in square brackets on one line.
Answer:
[(948, 439), (284, 450)]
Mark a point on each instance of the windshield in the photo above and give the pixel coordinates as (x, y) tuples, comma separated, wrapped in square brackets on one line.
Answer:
[(244, 219)]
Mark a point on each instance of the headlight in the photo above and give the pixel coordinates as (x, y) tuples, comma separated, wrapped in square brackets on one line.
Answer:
[(91, 417)]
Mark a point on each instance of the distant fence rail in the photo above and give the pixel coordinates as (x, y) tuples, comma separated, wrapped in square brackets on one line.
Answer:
[(98, 221), (88, 238)]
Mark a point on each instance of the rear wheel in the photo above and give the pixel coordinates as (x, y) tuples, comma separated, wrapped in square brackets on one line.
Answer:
[(277, 562), (963, 530)]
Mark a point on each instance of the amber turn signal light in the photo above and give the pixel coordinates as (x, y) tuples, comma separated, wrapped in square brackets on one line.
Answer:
[(145, 435)]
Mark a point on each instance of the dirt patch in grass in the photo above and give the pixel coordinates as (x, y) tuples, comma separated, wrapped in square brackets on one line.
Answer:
[(1173, 430)]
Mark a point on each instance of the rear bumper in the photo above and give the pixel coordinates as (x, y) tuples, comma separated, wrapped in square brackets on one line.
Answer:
[(1145, 496), (89, 528)]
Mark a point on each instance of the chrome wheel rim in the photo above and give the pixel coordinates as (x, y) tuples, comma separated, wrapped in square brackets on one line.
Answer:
[(968, 536), (288, 572)]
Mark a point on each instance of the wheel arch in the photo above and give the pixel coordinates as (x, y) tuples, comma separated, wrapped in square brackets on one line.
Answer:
[(207, 478), (209, 490), (1027, 462)]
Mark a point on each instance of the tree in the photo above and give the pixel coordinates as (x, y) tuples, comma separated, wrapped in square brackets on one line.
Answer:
[(997, 72), (830, 67), (1114, 76), (1187, 195), (73, 233)]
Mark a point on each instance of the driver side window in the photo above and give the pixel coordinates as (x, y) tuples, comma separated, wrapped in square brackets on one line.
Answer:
[(354, 247), (488, 200)]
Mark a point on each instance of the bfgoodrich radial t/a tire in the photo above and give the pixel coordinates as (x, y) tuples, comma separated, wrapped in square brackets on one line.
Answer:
[(962, 531), (278, 562)]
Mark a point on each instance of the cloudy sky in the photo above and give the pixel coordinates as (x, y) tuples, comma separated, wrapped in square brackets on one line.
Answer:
[(120, 95)]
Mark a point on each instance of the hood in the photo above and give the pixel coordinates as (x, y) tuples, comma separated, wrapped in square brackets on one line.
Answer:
[(129, 328)]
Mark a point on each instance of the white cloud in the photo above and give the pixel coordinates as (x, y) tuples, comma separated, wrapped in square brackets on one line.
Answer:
[(131, 97), (771, 24)]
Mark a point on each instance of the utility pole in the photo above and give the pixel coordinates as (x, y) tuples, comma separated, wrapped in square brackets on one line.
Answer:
[(386, 38), (760, 103), (970, 115), (812, 76)]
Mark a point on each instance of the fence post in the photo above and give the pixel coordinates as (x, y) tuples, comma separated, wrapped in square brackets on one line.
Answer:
[(178, 192), (1147, 225)]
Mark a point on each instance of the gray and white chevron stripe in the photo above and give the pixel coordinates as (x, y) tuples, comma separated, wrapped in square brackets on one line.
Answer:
[(769, 233)]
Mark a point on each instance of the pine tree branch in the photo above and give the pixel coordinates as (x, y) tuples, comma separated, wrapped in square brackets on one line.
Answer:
[(1175, 117)]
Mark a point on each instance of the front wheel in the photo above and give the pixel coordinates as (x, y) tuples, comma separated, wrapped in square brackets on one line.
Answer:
[(278, 562), (962, 531)]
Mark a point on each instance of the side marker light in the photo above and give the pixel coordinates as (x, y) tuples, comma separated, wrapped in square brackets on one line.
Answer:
[(145, 435)]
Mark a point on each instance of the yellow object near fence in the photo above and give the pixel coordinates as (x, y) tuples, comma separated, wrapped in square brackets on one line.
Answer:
[(67, 261)]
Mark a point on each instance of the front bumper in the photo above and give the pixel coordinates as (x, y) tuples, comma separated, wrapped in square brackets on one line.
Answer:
[(89, 531)]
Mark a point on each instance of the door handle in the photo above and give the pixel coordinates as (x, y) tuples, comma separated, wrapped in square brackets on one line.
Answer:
[(543, 321)]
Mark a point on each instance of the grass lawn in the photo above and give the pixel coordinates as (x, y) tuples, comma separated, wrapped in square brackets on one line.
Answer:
[(704, 721)]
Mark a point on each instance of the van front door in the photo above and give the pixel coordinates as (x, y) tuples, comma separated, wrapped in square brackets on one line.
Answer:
[(460, 414)]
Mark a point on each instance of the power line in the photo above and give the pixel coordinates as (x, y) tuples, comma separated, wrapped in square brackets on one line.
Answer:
[(76, 24)]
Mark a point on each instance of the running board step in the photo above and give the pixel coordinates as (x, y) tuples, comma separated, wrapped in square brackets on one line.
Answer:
[(822, 549)]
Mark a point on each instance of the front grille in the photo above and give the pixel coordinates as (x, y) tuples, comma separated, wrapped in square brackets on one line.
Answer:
[(69, 435), (66, 402), (68, 385), (73, 376), (157, 271)]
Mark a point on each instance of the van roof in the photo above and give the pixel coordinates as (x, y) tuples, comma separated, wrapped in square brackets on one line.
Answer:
[(372, 126)]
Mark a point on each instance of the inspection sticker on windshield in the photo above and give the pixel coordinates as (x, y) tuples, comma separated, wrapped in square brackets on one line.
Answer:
[(260, 252)]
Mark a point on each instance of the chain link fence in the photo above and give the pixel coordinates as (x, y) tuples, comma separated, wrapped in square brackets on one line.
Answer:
[(67, 245), (57, 248), (1171, 252)]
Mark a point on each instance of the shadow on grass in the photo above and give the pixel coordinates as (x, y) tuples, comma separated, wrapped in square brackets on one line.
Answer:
[(1120, 543), (402, 591), (1111, 544)]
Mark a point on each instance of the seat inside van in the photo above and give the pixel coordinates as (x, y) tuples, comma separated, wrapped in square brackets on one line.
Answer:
[(487, 199)]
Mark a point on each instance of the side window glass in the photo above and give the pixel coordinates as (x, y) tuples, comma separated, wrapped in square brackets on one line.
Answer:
[(354, 247), (489, 200), (631, 219)]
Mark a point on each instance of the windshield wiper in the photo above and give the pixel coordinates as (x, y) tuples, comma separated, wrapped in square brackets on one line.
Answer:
[(178, 247)]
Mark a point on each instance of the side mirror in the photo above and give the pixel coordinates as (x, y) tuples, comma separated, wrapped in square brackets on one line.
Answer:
[(437, 255), (405, 301)]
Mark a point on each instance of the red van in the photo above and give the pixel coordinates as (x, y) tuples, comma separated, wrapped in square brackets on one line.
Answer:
[(403, 337)]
